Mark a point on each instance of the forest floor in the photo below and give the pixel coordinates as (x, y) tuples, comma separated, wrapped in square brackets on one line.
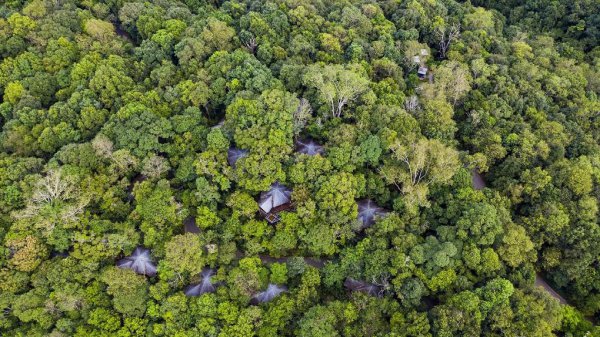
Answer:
[(477, 179)]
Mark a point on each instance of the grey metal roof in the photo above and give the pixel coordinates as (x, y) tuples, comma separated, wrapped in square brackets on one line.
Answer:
[(278, 195), (309, 147), (272, 291), (234, 154), (139, 261), (368, 211), (205, 286)]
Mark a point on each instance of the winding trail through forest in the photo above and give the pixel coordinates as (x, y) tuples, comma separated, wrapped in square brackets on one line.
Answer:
[(478, 184)]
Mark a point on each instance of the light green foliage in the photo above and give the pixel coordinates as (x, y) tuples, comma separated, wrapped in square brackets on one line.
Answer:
[(416, 166), (336, 198), (278, 273), (99, 29), (245, 280), (156, 210), (104, 320), (215, 35), (20, 24), (128, 290), (336, 86), (264, 125), (516, 247), (479, 19), (27, 253), (117, 117), (183, 257), (13, 92)]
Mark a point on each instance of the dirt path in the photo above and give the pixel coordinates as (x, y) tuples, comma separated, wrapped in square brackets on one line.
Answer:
[(540, 282), (477, 180), (317, 263)]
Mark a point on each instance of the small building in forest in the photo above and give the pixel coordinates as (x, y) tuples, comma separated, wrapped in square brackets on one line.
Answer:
[(234, 154), (139, 261), (272, 291), (309, 147), (368, 212), (422, 72), (205, 285), (278, 198)]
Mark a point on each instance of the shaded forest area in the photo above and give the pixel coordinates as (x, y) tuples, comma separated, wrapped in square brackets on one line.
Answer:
[(299, 168)]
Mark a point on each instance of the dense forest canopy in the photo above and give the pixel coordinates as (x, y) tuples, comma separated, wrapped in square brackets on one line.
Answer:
[(299, 168)]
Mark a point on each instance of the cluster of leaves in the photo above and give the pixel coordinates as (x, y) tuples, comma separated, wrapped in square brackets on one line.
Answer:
[(116, 120)]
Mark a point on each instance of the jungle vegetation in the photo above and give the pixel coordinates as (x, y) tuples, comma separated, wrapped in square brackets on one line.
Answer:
[(138, 138)]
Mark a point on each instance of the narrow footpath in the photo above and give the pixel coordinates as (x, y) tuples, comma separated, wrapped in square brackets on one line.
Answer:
[(540, 282), (478, 184)]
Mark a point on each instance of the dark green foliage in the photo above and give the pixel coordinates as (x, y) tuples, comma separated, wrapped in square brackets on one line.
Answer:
[(116, 123)]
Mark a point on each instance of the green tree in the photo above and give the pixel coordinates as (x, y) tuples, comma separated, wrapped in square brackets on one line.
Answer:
[(183, 257), (157, 211), (414, 167), (336, 85), (129, 291)]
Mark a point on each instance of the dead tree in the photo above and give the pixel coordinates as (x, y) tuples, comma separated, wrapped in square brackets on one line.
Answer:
[(446, 35), (250, 44)]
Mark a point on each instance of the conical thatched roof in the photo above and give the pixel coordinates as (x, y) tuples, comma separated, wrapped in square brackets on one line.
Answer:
[(368, 211), (269, 294), (365, 287), (309, 147), (139, 261), (205, 286), (233, 155)]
